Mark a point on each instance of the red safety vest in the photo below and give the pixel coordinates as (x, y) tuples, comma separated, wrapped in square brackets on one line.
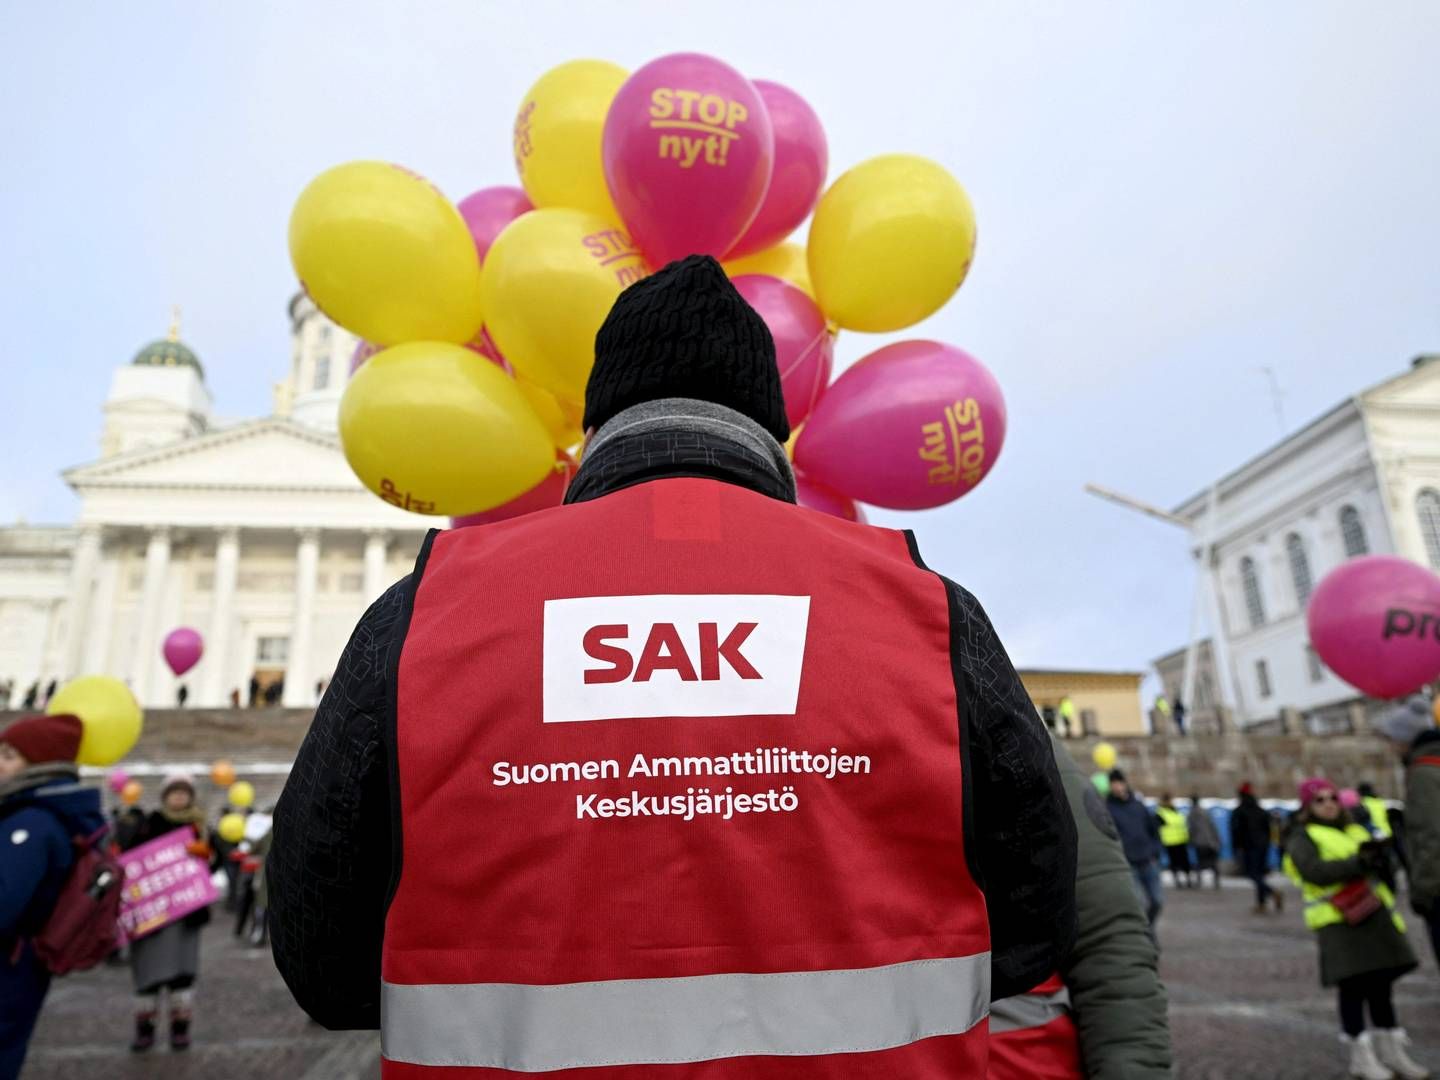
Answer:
[(1032, 1036), (680, 795)]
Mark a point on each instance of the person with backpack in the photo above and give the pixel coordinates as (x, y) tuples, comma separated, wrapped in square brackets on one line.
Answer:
[(43, 809), (169, 959)]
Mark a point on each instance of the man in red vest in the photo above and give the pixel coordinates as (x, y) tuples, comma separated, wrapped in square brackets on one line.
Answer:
[(677, 779)]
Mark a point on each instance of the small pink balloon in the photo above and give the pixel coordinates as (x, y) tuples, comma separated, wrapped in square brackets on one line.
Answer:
[(1349, 798), (817, 497), (549, 492), (183, 648), (1375, 621), (364, 350), (117, 779), (804, 346), (913, 425), (488, 211), (688, 151), (801, 160)]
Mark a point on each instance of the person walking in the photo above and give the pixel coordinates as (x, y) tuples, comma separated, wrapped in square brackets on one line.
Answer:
[(1411, 730), (43, 808), (32, 697), (1250, 837), (168, 961), (1341, 868), (667, 721), (1175, 839), (182, 695), (1140, 839), (1205, 838), (1069, 722)]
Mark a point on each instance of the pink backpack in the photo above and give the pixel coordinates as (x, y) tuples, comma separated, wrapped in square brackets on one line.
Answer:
[(82, 928)]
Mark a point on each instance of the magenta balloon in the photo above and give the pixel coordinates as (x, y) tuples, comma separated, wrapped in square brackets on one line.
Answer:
[(801, 160), (363, 351), (117, 779), (183, 648), (817, 497), (488, 211), (1375, 621), (912, 425), (804, 346), (688, 151), (549, 492)]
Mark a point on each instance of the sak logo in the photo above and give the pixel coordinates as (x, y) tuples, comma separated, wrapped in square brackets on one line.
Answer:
[(609, 657)]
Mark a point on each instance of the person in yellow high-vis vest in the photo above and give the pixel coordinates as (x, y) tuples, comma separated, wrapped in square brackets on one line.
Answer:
[(1175, 839), (1378, 810), (1340, 869)]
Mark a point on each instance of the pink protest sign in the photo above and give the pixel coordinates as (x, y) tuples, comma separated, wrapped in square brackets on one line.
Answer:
[(163, 883)]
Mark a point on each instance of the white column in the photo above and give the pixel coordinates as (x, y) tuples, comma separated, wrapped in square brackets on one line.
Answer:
[(147, 640), (82, 580), (102, 617), (215, 692), (298, 691), (377, 545)]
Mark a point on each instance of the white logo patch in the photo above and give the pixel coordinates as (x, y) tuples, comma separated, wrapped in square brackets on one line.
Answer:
[(608, 657), (19, 836)]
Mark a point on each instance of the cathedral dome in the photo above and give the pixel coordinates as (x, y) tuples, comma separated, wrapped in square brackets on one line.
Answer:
[(168, 353)]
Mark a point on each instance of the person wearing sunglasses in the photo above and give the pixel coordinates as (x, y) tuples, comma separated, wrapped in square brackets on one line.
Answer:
[(1341, 871)]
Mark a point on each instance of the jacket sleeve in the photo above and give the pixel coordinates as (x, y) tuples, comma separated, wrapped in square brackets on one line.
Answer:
[(328, 870), (1113, 975), (1318, 871), (1422, 834), (1021, 835), (28, 865)]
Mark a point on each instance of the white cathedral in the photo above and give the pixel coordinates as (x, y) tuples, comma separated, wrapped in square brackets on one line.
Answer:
[(255, 533)]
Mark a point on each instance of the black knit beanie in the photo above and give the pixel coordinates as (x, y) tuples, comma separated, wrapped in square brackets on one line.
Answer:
[(685, 332)]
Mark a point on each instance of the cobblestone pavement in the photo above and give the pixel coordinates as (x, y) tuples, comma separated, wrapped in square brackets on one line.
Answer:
[(1245, 1002)]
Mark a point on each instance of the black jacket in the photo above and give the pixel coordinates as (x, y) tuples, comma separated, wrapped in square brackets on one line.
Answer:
[(1250, 826), (332, 856), (1139, 833)]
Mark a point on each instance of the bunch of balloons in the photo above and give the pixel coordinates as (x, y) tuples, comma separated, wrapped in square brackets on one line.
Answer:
[(478, 319), (1375, 620), (1104, 756)]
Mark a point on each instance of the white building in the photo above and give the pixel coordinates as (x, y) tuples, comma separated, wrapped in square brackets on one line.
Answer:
[(255, 533), (1363, 478)]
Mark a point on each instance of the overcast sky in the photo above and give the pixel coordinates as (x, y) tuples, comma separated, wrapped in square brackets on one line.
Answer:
[(1169, 198)]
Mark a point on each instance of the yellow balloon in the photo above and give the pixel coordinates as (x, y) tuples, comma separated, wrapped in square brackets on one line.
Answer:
[(241, 794), (784, 261), (558, 132), (436, 429), (549, 281), (232, 828), (564, 432), (382, 252), (1103, 755), (890, 242), (109, 713)]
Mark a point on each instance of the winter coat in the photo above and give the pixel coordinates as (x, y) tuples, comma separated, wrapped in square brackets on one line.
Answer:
[(1422, 820), (156, 825), (1345, 951), (1139, 833), (1250, 826), (1116, 995), (330, 870), (1203, 834)]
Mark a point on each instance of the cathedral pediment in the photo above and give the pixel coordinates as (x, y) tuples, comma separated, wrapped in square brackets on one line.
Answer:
[(271, 454)]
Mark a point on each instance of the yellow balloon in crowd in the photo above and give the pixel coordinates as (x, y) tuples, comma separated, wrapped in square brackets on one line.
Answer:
[(549, 281), (232, 828), (110, 716), (222, 773), (560, 422), (784, 261), (131, 792), (1104, 756), (890, 242), (558, 132), (434, 428), (241, 794), (382, 252)]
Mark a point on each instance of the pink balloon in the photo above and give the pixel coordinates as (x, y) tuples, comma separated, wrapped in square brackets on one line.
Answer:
[(688, 151), (1375, 621), (804, 346), (549, 492), (117, 779), (815, 497), (183, 648), (363, 351), (489, 210), (801, 160), (1349, 798), (912, 425)]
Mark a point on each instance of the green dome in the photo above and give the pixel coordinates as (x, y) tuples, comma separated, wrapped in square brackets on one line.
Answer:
[(166, 353)]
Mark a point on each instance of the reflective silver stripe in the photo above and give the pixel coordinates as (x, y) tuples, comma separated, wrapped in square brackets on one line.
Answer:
[(528, 1028), (1028, 1010)]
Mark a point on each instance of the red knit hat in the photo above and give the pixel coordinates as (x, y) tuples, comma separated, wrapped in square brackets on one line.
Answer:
[(1312, 787), (45, 738)]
